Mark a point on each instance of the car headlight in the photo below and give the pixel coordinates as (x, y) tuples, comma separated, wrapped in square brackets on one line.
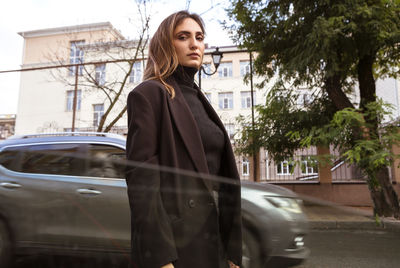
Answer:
[(288, 204)]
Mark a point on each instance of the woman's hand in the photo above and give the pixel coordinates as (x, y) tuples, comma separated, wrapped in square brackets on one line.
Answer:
[(232, 265), (169, 265)]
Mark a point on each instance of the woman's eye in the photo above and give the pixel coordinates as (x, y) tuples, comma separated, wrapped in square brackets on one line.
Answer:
[(181, 37), (200, 38)]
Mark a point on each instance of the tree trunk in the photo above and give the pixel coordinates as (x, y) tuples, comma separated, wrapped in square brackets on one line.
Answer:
[(384, 197), (366, 80), (121, 113), (334, 89), (254, 163), (386, 201), (377, 195), (390, 194)]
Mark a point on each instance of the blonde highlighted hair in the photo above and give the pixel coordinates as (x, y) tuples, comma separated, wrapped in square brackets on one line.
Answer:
[(163, 60)]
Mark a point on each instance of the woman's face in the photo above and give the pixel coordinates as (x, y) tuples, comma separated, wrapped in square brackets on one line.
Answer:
[(189, 43)]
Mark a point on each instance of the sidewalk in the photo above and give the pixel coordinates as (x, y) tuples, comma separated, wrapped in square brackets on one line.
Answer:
[(332, 216)]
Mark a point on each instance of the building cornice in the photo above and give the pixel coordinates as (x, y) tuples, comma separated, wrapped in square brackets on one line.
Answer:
[(7, 118), (225, 49), (73, 29), (112, 44)]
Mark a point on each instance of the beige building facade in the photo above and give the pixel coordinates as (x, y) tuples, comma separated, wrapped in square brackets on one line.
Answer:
[(45, 96)]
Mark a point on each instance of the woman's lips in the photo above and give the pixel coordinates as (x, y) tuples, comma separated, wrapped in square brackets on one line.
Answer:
[(194, 55)]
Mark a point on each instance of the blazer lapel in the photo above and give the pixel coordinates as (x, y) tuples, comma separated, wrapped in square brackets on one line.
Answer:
[(189, 131)]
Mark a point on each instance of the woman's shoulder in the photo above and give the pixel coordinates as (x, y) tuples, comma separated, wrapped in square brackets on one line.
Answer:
[(149, 89)]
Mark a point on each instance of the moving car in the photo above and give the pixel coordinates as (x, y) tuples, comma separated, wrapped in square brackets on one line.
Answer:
[(65, 193)]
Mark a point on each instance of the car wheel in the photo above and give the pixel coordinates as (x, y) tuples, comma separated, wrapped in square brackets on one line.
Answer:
[(5, 246), (251, 251)]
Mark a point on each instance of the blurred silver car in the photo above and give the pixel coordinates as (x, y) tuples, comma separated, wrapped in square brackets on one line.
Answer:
[(63, 194)]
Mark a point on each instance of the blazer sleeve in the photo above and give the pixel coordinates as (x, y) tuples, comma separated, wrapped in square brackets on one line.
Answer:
[(152, 238)]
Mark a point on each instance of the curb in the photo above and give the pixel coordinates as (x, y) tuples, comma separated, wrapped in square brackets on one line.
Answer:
[(391, 225), (355, 225)]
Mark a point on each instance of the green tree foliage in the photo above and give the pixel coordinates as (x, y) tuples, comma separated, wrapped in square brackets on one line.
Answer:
[(329, 45), (279, 116), (370, 151), (310, 40)]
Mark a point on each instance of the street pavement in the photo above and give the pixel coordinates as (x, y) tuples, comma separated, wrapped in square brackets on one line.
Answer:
[(349, 237), (326, 215), (349, 248), (339, 236)]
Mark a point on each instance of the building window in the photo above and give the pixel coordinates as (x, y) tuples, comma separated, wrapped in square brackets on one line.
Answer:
[(225, 100), (100, 76), (225, 69), (245, 167), (70, 100), (76, 56), (244, 67), (136, 73), (98, 112), (284, 168), (207, 68), (230, 129), (246, 99), (304, 99), (308, 166), (307, 99)]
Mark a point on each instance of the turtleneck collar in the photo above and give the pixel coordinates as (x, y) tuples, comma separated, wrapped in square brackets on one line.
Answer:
[(185, 75)]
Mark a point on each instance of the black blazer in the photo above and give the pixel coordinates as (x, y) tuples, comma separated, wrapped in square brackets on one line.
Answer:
[(173, 215)]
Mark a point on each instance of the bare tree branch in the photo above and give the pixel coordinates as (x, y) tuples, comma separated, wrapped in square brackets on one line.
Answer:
[(122, 54)]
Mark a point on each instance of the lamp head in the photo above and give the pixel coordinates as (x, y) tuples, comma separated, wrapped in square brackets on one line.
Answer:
[(216, 57)]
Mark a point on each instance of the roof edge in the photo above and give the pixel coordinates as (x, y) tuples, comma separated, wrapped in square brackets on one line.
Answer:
[(72, 29)]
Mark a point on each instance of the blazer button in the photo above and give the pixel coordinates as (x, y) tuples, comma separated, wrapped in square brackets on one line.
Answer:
[(192, 204)]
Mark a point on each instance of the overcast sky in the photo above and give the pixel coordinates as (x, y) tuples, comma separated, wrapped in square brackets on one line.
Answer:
[(25, 15)]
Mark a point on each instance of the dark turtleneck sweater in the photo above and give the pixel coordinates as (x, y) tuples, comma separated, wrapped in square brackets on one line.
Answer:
[(211, 135)]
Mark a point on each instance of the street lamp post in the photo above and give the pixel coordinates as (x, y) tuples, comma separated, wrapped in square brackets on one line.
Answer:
[(216, 56), (255, 156)]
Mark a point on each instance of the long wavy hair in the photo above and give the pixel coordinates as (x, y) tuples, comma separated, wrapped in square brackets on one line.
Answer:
[(163, 60)]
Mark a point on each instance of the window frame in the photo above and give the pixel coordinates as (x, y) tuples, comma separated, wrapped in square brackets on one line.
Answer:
[(289, 167), (100, 74), (70, 100), (245, 163), (83, 147), (75, 59), (230, 129), (136, 74), (97, 115), (20, 156), (91, 160), (308, 164), (225, 100), (245, 99), (244, 67), (225, 68)]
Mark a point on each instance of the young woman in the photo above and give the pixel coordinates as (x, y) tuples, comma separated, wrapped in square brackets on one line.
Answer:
[(178, 220)]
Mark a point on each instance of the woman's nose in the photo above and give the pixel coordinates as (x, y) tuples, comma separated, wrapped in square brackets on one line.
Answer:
[(194, 43)]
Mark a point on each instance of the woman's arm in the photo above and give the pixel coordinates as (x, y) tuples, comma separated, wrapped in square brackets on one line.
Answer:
[(152, 238)]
